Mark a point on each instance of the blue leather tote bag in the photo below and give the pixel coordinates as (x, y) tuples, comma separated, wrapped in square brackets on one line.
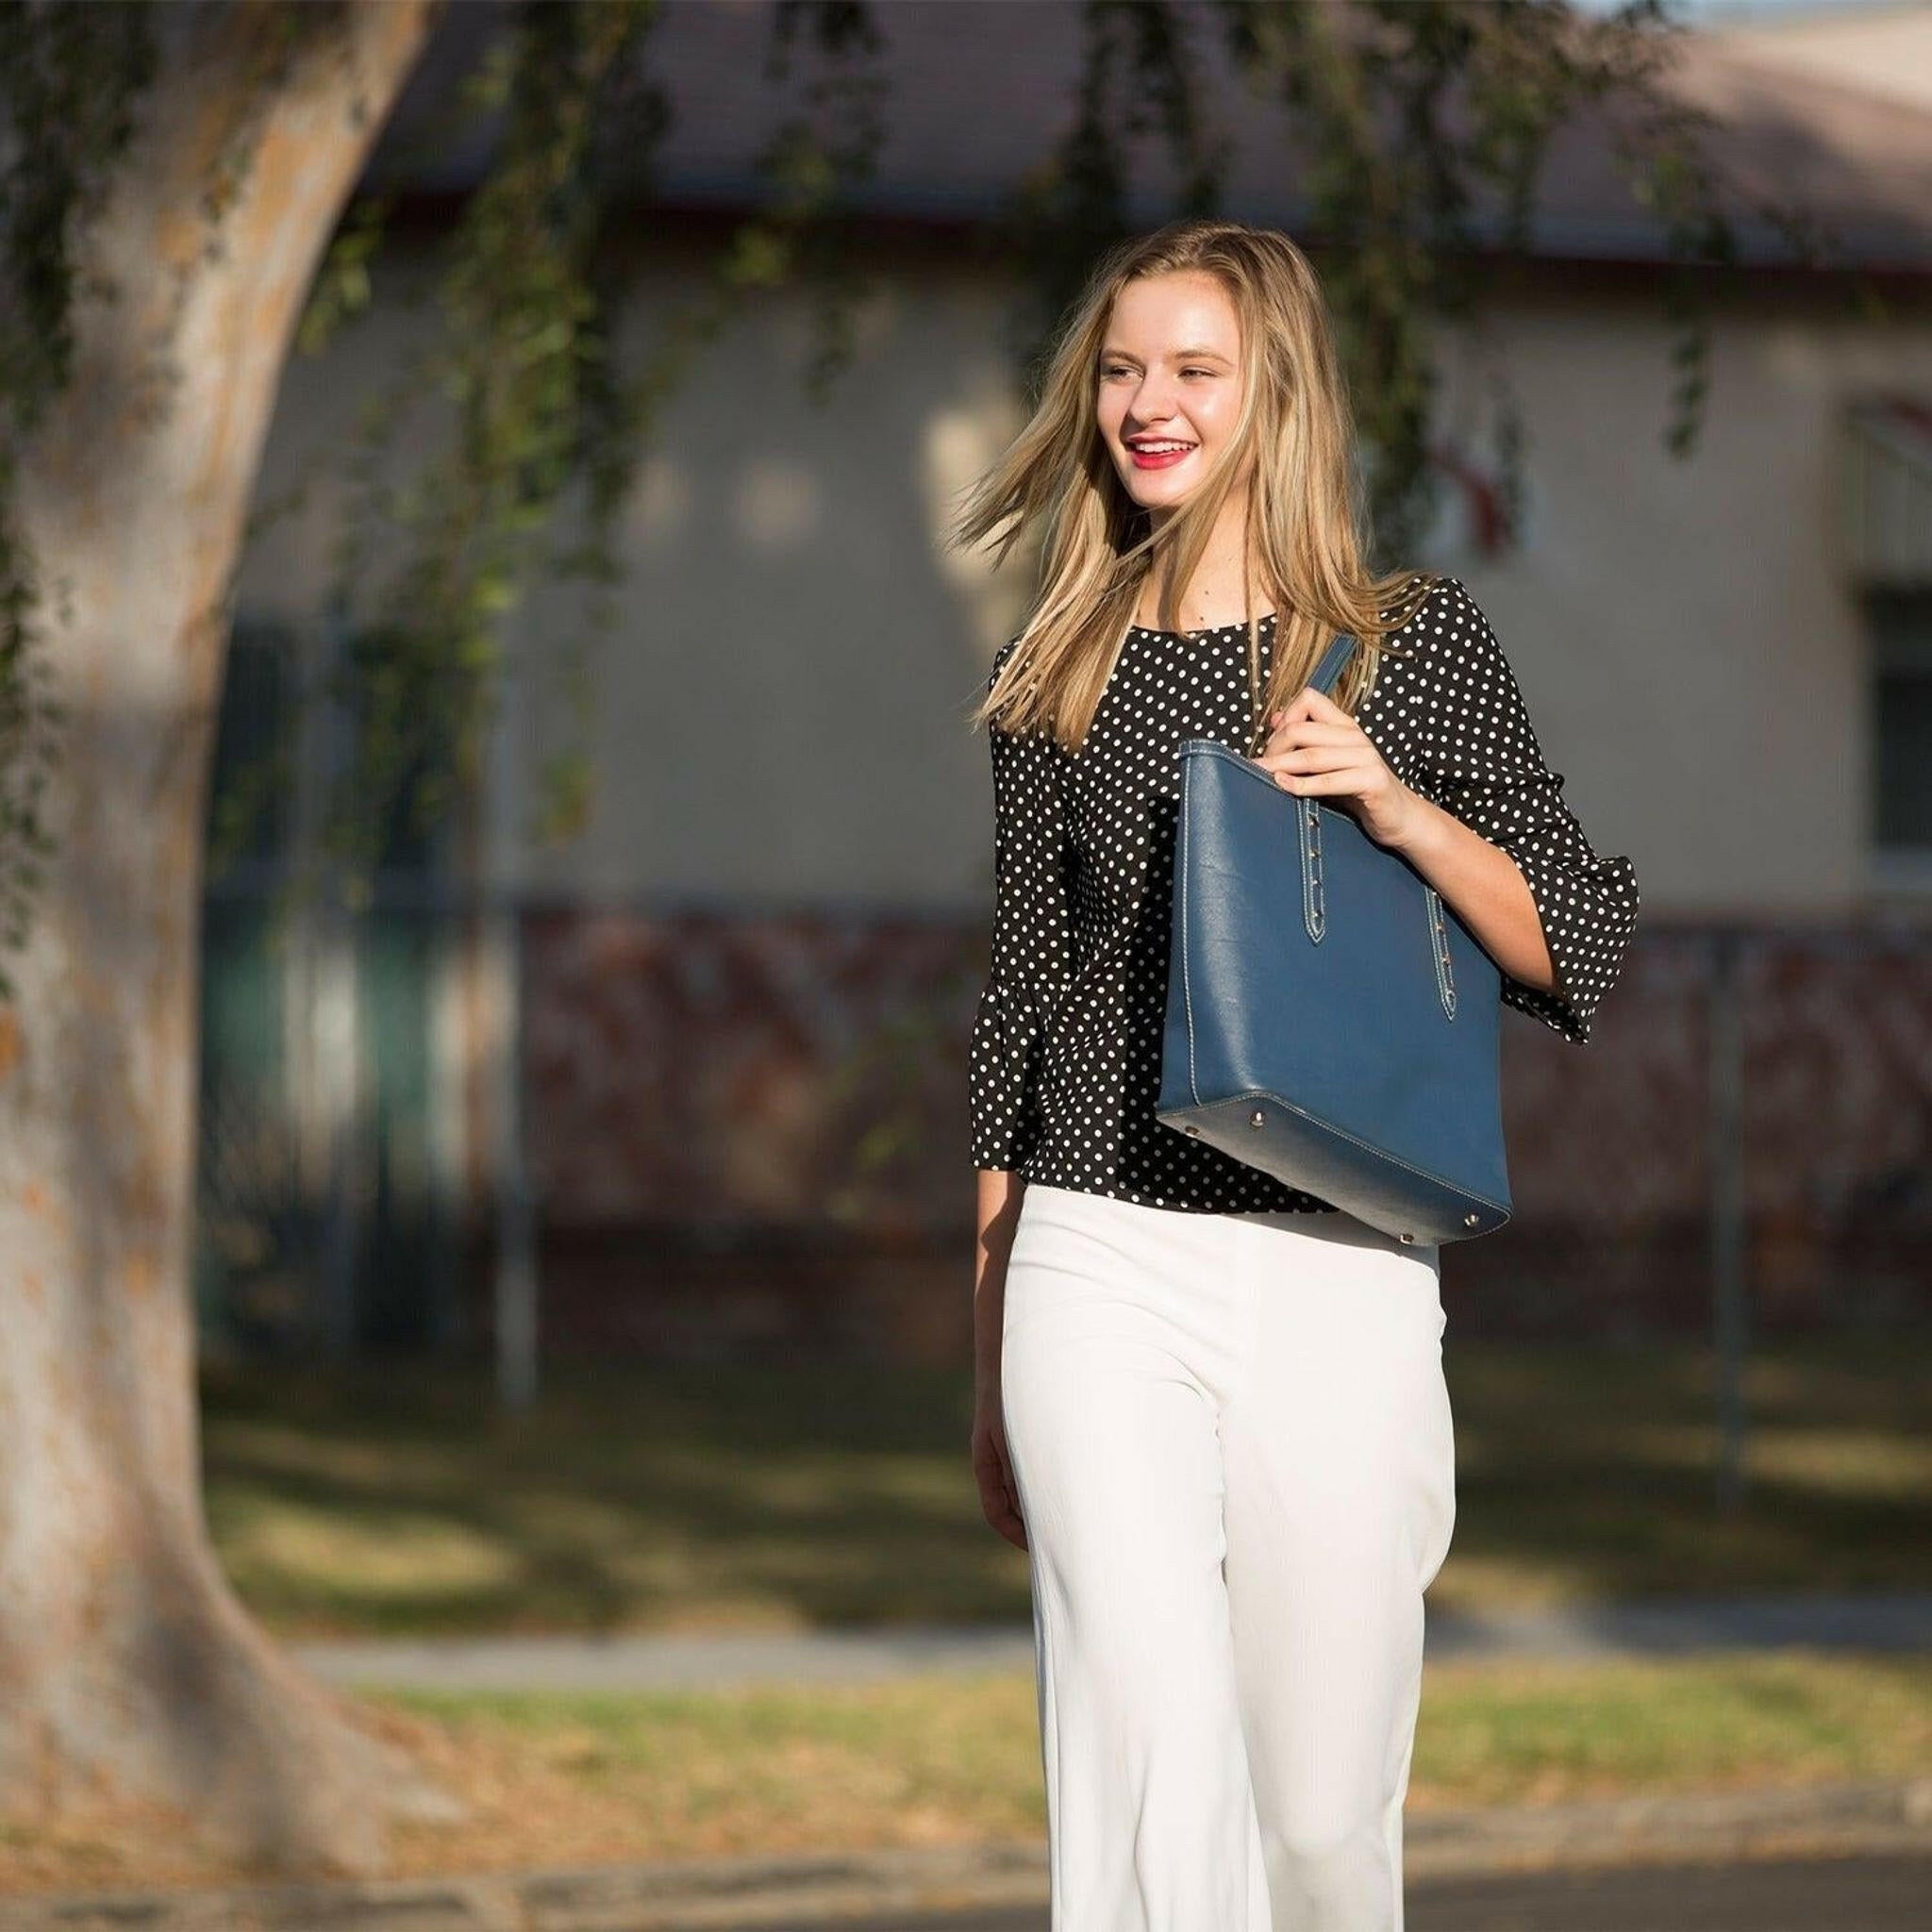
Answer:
[(1329, 1020)]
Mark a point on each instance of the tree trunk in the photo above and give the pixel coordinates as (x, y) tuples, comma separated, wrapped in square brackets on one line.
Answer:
[(127, 1666)]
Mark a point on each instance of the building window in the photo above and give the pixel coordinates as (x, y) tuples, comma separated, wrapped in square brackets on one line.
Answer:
[(1900, 629), (1886, 555)]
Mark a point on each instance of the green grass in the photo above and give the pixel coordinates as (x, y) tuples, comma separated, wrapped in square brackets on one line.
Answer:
[(1519, 1733), (574, 1780), (384, 1502), (1488, 1733), (939, 1758)]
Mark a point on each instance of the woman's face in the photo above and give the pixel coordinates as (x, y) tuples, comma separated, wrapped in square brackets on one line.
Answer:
[(1169, 384)]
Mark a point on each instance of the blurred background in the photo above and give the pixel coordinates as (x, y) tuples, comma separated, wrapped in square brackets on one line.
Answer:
[(786, 861), (577, 1216)]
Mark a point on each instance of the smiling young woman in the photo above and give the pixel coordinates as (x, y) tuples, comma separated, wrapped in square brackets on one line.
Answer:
[(1210, 1407)]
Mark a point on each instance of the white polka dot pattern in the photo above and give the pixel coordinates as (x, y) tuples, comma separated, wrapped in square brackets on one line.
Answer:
[(1064, 1059)]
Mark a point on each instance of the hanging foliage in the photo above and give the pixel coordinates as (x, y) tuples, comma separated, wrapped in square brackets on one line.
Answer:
[(1395, 119)]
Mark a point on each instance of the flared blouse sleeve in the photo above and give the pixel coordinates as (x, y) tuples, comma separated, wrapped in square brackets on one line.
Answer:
[(1031, 951), (1479, 759)]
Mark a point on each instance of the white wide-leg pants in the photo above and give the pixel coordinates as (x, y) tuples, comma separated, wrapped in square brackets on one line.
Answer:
[(1231, 1438)]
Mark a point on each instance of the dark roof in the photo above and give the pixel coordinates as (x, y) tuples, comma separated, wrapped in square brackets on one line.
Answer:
[(981, 90)]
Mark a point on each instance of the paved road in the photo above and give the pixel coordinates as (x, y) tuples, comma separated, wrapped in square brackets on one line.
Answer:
[(1852, 1895), (1893, 1622)]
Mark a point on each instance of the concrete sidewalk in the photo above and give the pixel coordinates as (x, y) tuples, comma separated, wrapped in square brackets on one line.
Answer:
[(1900, 1622), (901, 1887)]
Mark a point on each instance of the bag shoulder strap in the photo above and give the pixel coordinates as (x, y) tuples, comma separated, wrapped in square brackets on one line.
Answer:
[(1324, 678), (1333, 662)]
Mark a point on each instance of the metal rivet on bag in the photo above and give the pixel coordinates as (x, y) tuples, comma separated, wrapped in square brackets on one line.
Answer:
[(1257, 1118), (1471, 1220), (1409, 1238), (1195, 1132)]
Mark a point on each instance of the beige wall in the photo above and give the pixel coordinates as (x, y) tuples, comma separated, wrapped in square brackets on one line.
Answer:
[(1689, 641), (781, 711), (1882, 49)]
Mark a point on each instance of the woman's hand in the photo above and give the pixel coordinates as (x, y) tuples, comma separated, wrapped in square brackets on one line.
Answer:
[(997, 1202), (1315, 749), (992, 1467)]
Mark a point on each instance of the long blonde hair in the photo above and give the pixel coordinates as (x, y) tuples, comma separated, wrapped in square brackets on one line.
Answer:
[(1304, 536)]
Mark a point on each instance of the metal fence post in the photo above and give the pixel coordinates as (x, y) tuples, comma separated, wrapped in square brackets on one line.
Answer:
[(1728, 1289), (516, 1284)]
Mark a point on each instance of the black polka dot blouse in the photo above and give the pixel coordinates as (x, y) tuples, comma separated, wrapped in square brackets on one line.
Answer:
[(1064, 1059)]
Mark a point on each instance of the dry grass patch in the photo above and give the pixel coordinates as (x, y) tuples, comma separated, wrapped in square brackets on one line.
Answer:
[(953, 1759)]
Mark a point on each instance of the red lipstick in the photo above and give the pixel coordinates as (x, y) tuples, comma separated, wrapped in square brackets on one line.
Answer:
[(1158, 458)]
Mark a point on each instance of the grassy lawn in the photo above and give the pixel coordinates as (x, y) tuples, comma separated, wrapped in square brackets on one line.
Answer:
[(555, 1780), (388, 1502)]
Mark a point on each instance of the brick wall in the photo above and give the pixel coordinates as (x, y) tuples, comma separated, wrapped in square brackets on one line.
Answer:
[(749, 1132)]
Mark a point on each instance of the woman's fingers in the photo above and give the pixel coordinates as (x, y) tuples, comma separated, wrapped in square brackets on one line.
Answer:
[(1314, 757), (1298, 738), (1287, 734), (1309, 703), (1352, 771), (999, 1496), (1305, 761)]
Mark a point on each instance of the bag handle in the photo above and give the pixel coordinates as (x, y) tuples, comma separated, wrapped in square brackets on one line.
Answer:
[(1334, 661), (1323, 677), (1309, 832)]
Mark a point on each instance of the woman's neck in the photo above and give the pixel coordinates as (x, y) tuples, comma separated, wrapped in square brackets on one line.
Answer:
[(1213, 598)]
